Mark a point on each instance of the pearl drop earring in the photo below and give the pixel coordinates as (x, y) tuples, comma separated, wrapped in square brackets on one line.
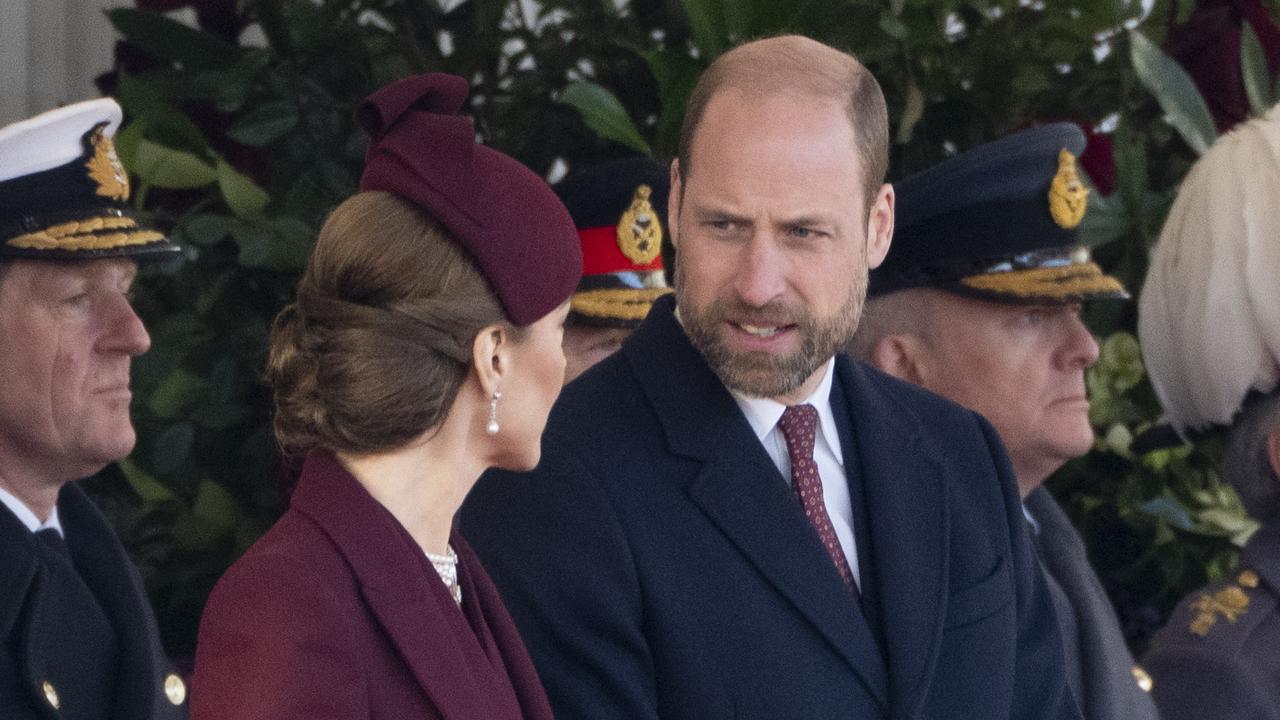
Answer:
[(492, 428)]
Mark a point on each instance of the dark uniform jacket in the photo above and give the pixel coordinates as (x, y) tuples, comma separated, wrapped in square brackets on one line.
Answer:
[(336, 614), (658, 565), (1100, 668), (1219, 654), (144, 689)]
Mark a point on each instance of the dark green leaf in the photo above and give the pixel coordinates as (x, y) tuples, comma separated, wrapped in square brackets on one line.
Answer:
[(176, 393), (893, 26), (165, 39), (709, 26), (242, 195), (284, 244), (206, 228), (147, 487), (174, 169), (265, 124), (214, 504), (1184, 109), (172, 447), (911, 114), (603, 112), (1253, 68)]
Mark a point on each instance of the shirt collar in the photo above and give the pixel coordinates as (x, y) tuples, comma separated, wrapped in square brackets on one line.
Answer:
[(28, 518), (763, 414)]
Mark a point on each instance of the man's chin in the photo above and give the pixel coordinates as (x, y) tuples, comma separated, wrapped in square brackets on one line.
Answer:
[(764, 376)]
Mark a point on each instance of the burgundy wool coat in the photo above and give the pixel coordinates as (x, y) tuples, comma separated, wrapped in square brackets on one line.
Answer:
[(337, 614)]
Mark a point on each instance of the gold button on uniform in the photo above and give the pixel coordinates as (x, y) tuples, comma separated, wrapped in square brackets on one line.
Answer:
[(175, 689), (50, 694), (1141, 677)]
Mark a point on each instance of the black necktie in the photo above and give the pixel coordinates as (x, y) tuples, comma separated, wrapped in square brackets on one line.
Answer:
[(52, 539)]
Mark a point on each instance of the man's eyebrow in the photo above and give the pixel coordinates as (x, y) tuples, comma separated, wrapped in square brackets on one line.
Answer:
[(706, 212)]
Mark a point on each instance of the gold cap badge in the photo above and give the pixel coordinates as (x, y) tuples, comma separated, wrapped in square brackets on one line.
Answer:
[(639, 233), (105, 168), (1068, 197)]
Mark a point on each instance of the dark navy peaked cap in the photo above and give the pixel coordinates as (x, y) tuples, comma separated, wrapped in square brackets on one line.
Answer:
[(998, 222), (620, 211)]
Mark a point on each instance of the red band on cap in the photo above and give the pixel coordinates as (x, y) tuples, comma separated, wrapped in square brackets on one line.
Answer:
[(601, 254)]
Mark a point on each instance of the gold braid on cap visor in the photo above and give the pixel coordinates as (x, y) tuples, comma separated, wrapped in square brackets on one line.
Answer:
[(1063, 281), (86, 235)]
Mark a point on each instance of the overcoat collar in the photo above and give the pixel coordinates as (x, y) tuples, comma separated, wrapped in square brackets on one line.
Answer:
[(107, 570), (741, 492), (451, 654)]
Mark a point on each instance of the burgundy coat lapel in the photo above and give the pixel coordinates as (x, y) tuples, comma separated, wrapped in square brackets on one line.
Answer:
[(405, 595)]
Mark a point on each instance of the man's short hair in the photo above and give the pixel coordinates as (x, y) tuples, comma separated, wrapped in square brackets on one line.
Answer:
[(795, 64), (906, 311), (1246, 464)]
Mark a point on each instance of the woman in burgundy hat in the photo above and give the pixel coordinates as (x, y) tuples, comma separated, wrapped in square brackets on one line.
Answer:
[(423, 348)]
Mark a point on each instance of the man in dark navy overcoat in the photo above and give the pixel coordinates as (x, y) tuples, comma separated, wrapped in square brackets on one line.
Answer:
[(729, 521), (79, 639)]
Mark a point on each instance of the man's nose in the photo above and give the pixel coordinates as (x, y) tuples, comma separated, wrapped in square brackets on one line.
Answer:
[(1080, 349), (124, 329), (760, 278)]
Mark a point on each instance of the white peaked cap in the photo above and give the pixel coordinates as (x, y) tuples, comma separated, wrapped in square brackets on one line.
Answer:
[(53, 138), (1209, 315)]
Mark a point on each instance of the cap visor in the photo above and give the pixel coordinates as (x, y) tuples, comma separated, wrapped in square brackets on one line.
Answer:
[(101, 236), (1048, 285), (626, 306)]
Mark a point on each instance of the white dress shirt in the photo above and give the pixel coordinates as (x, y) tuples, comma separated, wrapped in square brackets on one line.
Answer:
[(763, 415), (28, 518)]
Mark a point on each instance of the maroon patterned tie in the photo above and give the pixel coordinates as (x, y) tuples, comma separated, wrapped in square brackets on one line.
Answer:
[(799, 425)]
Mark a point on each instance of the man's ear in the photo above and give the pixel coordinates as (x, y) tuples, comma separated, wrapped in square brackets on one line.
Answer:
[(899, 356), (880, 226), (1273, 449), (491, 356), (673, 204)]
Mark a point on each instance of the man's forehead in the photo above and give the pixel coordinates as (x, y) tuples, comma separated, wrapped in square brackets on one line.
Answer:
[(35, 273)]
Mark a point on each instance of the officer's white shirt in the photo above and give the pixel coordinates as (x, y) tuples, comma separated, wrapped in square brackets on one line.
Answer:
[(28, 518), (763, 415)]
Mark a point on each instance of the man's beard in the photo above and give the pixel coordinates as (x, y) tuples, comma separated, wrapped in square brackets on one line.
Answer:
[(763, 374)]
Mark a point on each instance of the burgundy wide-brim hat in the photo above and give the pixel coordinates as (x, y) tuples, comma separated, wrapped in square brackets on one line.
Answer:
[(501, 212)]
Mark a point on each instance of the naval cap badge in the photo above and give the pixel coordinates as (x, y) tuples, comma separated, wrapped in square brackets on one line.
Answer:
[(104, 166)]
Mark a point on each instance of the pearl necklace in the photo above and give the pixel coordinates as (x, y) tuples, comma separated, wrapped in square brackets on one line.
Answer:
[(447, 567)]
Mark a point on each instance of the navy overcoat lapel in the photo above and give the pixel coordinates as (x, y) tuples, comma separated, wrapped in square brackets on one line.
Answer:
[(417, 612), (742, 493), (905, 492), (106, 568)]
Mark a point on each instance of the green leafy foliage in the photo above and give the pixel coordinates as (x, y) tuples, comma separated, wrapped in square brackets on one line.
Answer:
[(1170, 84), (239, 149)]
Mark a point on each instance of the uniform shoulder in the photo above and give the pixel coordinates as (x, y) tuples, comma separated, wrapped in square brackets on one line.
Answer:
[(1220, 618), (1216, 655)]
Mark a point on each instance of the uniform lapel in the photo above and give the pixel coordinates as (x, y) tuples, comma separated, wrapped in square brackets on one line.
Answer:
[(419, 616), (18, 568), (105, 567), (741, 492), (906, 503)]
